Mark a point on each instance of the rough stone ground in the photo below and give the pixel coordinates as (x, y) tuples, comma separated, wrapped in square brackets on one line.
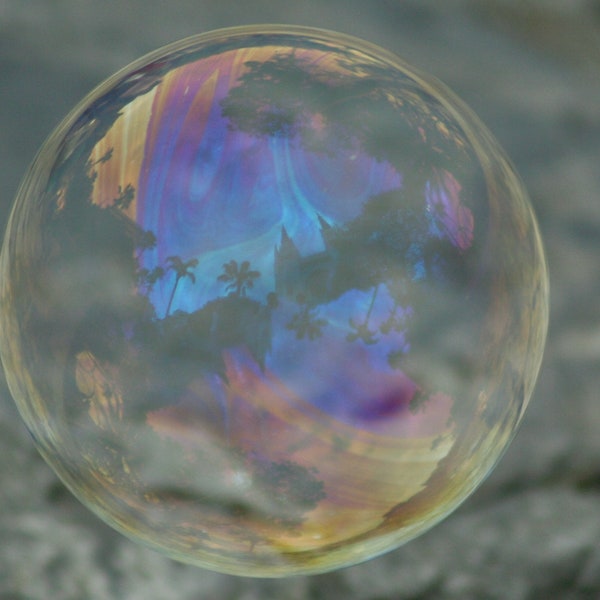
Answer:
[(531, 69)]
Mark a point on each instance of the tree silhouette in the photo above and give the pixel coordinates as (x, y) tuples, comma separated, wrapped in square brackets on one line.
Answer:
[(364, 103), (305, 322), (147, 278), (125, 197), (181, 269), (361, 330), (292, 489), (146, 240), (239, 278)]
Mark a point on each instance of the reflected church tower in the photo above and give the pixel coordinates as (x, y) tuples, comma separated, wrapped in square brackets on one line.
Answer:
[(312, 276), (287, 266)]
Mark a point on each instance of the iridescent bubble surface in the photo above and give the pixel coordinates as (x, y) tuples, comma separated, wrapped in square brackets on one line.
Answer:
[(272, 302)]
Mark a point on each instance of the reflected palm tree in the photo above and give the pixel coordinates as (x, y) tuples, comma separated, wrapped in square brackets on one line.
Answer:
[(305, 322), (361, 330), (146, 240), (147, 278), (182, 269), (239, 278)]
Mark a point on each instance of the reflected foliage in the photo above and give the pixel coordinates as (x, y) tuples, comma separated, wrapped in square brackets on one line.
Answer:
[(305, 323), (181, 270), (239, 278)]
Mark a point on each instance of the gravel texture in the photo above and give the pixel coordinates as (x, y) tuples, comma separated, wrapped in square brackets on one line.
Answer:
[(531, 69)]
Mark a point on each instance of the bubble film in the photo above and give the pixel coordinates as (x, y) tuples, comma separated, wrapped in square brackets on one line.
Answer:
[(272, 302)]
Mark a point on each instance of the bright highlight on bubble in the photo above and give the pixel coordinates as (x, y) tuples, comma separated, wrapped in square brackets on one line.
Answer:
[(272, 302)]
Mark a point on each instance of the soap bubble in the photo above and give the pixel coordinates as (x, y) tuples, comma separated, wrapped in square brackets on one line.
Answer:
[(272, 302)]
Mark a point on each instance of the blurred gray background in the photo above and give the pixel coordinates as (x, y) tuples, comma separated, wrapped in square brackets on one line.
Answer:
[(531, 70)]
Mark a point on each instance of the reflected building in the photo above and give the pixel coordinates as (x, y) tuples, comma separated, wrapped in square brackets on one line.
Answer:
[(311, 276)]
